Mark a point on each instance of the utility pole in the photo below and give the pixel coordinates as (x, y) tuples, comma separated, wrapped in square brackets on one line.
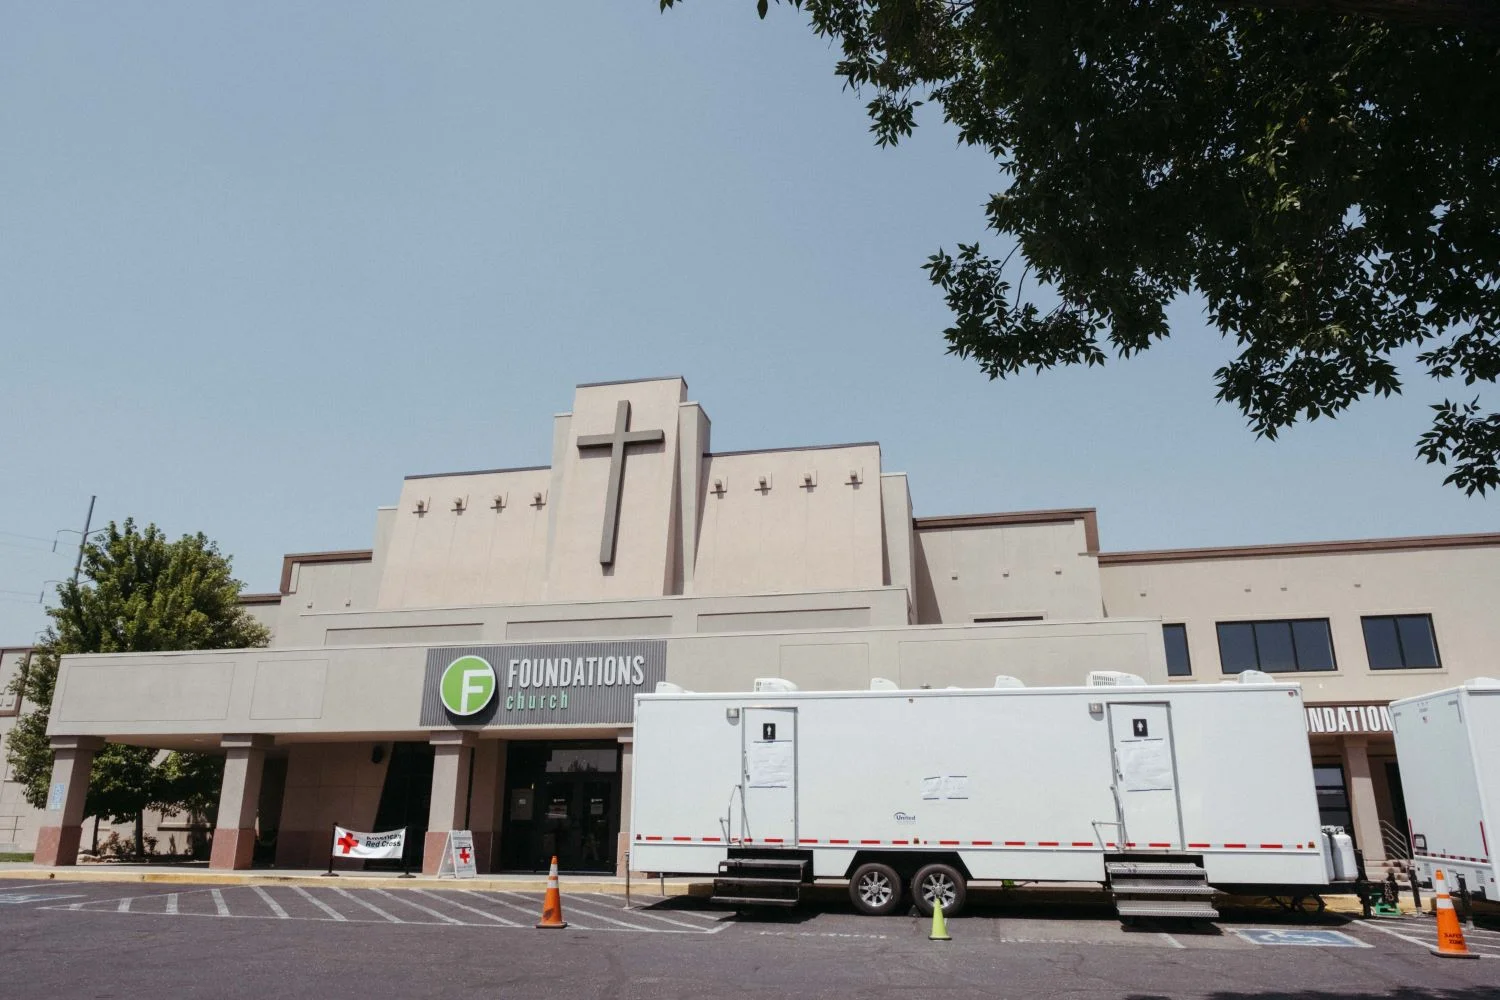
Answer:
[(84, 539)]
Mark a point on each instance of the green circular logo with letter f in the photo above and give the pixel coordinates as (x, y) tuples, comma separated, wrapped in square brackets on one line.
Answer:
[(468, 684)]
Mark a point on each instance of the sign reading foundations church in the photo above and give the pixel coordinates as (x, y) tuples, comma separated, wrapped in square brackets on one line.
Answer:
[(547, 684)]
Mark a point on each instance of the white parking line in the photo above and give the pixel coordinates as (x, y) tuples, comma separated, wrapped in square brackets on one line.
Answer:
[(675, 923), (124, 906), (531, 909), (605, 901), (31, 885), (418, 906), (367, 905), (314, 900), (172, 905), (1414, 940), (219, 904), (464, 906), (266, 896), (1171, 940), (576, 907)]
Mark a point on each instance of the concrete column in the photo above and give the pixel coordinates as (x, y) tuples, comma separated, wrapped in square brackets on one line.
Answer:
[(450, 793), (627, 783), (484, 802), (1361, 790), (62, 821), (239, 800)]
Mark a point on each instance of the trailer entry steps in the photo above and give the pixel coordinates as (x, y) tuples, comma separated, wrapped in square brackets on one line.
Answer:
[(760, 881), (1168, 886)]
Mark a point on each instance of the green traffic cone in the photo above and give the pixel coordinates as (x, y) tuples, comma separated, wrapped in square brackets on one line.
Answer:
[(939, 925)]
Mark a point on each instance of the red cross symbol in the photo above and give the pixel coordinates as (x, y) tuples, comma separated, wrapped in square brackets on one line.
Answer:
[(463, 855), (347, 842)]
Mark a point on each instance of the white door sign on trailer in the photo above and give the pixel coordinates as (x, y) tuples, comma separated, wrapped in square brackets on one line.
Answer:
[(1145, 774), (770, 775)]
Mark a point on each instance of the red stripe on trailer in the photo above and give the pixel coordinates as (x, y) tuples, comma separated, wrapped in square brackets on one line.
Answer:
[(869, 841), (839, 840), (1198, 846), (710, 840), (1158, 845), (1485, 840), (774, 840), (1083, 843), (1047, 843), (982, 843), (1270, 847), (682, 838), (949, 843), (1235, 847), (1129, 843), (808, 840), (1110, 844), (653, 838), (1015, 843), (901, 842)]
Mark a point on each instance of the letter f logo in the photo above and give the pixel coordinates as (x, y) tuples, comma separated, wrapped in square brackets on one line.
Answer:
[(467, 685)]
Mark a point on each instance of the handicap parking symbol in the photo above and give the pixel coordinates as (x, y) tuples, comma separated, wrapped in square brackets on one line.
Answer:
[(20, 898), (1302, 938)]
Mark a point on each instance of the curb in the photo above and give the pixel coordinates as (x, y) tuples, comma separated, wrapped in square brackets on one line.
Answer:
[(350, 880)]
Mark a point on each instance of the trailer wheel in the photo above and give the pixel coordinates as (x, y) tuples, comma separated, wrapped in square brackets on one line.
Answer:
[(875, 889), (938, 881)]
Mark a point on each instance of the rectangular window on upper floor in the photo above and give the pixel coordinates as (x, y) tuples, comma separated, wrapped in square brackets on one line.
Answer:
[(1179, 664), (1400, 642), (1276, 647)]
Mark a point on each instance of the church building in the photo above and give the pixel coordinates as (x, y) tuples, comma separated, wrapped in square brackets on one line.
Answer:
[(475, 668)]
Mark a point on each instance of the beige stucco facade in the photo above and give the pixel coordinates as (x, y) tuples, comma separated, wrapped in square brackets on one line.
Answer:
[(800, 563)]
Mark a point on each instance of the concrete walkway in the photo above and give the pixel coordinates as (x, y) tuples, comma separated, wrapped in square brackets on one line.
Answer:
[(201, 875)]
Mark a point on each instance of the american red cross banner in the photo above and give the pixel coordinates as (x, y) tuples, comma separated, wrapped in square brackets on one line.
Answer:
[(353, 844)]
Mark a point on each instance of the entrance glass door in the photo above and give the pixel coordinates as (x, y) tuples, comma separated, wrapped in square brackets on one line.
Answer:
[(561, 799)]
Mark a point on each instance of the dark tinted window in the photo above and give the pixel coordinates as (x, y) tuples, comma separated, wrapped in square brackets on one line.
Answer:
[(1273, 643), (1314, 645), (1276, 646), (1397, 642), (1178, 663), (1237, 647), (1381, 644), (1333, 798)]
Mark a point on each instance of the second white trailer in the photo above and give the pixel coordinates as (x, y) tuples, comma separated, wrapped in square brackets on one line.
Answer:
[(1448, 748), (1041, 784)]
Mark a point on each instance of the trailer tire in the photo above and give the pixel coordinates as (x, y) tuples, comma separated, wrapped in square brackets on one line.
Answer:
[(932, 881), (875, 889)]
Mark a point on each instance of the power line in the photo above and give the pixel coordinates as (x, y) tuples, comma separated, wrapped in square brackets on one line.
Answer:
[(48, 548), (17, 534)]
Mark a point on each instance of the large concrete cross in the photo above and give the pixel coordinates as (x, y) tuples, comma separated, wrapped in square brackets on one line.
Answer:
[(616, 443)]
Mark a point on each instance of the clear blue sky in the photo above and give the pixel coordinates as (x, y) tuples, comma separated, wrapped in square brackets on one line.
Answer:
[(260, 260)]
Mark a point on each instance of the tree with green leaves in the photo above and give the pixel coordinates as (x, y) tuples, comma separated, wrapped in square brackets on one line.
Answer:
[(139, 593), (1323, 176)]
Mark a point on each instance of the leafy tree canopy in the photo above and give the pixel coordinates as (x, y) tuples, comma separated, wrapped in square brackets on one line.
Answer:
[(139, 593), (1328, 184)]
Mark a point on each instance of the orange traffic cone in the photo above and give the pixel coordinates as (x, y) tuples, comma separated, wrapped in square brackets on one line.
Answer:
[(1450, 934), (552, 904)]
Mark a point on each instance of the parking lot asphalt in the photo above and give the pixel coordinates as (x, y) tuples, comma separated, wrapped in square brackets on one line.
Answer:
[(107, 940)]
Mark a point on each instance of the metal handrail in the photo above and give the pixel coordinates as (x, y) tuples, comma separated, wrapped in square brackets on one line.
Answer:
[(727, 822), (1100, 837), (1393, 838)]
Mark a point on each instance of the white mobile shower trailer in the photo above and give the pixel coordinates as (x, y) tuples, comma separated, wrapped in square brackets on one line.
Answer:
[(1036, 784), (1448, 748)]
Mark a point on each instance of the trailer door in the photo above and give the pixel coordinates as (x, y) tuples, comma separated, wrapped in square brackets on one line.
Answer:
[(769, 777), (1145, 774)]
